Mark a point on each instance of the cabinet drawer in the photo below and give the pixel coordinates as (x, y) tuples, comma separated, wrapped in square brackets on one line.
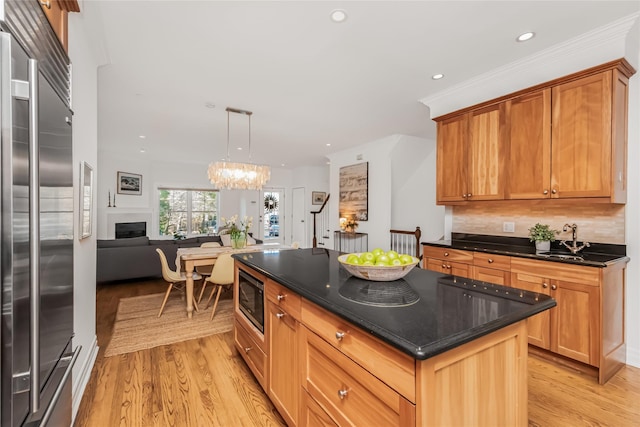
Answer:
[(498, 262), (556, 270), (448, 254), (251, 353), (390, 365), (491, 275), (312, 414), (347, 392), (447, 267), (284, 298)]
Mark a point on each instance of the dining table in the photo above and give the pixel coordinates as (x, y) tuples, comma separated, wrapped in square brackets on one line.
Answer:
[(187, 259)]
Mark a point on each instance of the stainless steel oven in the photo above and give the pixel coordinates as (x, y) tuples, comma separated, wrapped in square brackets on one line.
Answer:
[(251, 298)]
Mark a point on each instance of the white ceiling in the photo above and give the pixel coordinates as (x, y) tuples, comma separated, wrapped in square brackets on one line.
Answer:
[(309, 82)]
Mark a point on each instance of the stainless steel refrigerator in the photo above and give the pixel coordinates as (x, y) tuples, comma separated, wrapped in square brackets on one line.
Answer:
[(37, 231)]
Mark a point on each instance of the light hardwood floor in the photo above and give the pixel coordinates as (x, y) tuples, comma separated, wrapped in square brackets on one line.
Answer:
[(204, 382)]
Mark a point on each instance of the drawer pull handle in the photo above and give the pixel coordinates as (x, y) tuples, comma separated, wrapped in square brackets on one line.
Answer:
[(490, 261), (545, 285), (554, 191), (46, 3), (554, 287), (247, 349), (545, 192), (444, 265), (448, 267), (279, 315), (339, 335), (342, 394), (280, 297), (446, 254)]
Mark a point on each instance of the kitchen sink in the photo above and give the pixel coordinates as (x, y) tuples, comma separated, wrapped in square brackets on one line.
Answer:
[(562, 256)]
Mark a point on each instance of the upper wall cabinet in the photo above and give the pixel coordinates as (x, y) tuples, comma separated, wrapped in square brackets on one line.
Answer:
[(469, 161), (57, 14), (562, 139)]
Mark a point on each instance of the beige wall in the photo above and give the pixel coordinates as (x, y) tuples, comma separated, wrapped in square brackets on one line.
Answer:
[(601, 223)]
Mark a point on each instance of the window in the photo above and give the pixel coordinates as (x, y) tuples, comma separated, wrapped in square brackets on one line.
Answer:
[(185, 212)]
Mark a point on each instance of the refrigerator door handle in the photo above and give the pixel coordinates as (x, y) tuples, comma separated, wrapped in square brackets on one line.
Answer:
[(63, 381), (34, 235)]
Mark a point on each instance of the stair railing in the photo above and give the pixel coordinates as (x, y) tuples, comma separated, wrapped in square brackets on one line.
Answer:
[(321, 222)]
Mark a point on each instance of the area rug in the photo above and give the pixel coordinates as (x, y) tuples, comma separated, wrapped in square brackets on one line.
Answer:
[(137, 326)]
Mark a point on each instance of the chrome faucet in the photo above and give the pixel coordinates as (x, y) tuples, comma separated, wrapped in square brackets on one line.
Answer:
[(574, 248)]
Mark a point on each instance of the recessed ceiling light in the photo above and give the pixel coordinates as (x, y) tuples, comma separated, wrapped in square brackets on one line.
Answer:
[(239, 148), (437, 76), (338, 15), (525, 36), (282, 164), (328, 145), (142, 136), (142, 150)]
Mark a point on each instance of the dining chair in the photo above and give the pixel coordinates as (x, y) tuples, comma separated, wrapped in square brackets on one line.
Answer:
[(174, 278), (205, 270), (221, 277), (406, 242)]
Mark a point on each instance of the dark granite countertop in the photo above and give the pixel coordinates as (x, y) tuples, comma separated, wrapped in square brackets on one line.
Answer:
[(433, 312), (598, 255)]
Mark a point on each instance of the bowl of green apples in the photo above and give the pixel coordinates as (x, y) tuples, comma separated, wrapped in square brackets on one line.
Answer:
[(378, 265)]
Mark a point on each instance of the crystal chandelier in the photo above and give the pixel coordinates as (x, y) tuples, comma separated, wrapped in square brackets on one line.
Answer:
[(227, 175)]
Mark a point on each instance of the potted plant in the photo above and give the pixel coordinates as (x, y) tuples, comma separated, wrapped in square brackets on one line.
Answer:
[(542, 235)]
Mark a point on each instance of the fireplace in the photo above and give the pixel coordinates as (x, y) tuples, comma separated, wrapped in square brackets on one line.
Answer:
[(126, 230)]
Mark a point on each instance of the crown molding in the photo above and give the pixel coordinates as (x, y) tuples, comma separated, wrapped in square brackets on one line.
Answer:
[(600, 45)]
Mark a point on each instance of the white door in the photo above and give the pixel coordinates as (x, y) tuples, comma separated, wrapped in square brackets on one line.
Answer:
[(272, 228), (298, 224)]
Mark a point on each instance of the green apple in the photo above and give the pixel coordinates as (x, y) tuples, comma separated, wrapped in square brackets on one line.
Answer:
[(396, 261), (367, 256), (377, 252), (392, 254), (353, 259), (367, 263), (406, 259), (383, 259)]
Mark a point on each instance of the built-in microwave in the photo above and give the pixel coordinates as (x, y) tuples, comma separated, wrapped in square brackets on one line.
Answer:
[(251, 298)]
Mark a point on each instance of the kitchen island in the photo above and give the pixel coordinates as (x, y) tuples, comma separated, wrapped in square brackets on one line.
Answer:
[(429, 349)]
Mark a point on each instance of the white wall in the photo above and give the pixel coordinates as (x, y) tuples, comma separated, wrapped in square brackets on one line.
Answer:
[(310, 178), (401, 187), (157, 174), (85, 62)]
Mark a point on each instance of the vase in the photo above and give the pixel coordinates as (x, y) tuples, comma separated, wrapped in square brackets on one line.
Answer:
[(543, 246), (239, 241)]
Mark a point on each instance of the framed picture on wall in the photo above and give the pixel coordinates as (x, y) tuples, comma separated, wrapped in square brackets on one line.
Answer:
[(129, 183), (318, 197), (354, 192)]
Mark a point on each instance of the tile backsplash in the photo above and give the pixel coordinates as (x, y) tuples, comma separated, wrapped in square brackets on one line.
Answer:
[(598, 223)]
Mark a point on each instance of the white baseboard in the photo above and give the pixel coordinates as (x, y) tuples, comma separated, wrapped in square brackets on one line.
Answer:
[(84, 376), (633, 357)]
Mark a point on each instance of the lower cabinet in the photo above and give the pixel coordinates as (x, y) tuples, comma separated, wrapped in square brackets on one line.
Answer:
[(284, 390), (587, 325), (312, 414), (349, 394), (250, 350)]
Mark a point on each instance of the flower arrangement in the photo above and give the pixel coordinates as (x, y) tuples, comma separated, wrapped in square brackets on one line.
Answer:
[(542, 233), (349, 225), (237, 230)]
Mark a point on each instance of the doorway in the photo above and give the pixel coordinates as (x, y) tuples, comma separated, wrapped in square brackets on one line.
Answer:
[(272, 228), (298, 225)]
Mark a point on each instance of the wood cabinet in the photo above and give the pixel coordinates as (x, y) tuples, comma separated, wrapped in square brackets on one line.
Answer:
[(470, 161), (565, 139), (491, 268), (283, 312), (587, 325), (448, 261), (529, 136), (320, 370), (57, 12)]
